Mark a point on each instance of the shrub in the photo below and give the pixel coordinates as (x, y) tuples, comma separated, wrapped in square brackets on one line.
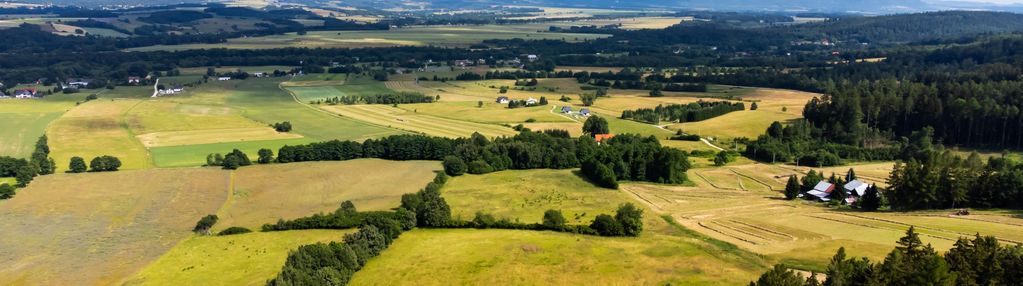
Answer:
[(606, 225), (282, 126), (105, 164), (6, 191), (77, 165), (205, 223), (234, 230), (553, 219), (631, 219)]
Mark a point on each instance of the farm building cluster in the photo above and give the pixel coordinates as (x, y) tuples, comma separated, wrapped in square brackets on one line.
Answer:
[(825, 191)]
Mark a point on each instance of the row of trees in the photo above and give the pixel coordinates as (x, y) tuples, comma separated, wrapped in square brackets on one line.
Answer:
[(977, 261), (98, 164), (681, 113), (942, 179), (383, 98), (630, 157)]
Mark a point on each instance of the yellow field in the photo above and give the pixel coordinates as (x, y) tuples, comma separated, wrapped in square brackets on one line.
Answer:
[(181, 114), (244, 259), (264, 194), (742, 205), (207, 136), (94, 129), (491, 112), (398, 118), (99, 228)]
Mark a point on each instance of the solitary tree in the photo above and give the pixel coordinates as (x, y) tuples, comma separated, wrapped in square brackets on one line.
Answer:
[(721, 159), (753, 106), (596, 125), (77, 165)]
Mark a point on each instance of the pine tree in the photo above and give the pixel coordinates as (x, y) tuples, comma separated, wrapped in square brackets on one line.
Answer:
[(871, 200), (850, 176), (792, 188)]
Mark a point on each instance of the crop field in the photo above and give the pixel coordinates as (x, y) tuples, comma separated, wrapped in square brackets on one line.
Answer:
[(446, 36), (94, 129), (23, 121), (208, 136), (258, 197), (491, 112), (244, 259), (742, 205), (105, 226), (223, 69), (391, 117), (663, 254)]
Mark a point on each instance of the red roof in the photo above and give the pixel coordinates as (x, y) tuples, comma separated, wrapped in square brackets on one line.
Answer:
[(603, 137)]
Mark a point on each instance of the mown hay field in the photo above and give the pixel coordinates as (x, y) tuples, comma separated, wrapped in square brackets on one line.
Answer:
[(258, 196), (391, 117), (743, 205), (244, 259), (97, 128), (99, 228)]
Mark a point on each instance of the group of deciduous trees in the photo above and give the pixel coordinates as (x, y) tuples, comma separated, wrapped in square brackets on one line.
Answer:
[(977, 261), (682, 113), (383, 98)]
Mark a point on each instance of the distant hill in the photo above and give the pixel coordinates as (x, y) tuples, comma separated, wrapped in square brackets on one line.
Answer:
[(844, 6)]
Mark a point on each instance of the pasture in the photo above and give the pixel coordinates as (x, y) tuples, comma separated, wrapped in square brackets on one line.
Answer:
[(446, 36), (258, 197), (663, 254), (391, 117), (244, 259), (99, 228), (743, 205)]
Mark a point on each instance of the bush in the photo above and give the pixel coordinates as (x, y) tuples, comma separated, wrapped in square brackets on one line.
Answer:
[(205, 224), (6, 191), (234, 230), (282, 126), (631, 219), (606, 225), (454, 166), (104, 164), (77, 165), (599, 174), (480, 167), (553, 219)]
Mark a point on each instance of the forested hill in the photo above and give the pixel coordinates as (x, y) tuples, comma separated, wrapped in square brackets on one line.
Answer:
[(910, 28), (847, 33)]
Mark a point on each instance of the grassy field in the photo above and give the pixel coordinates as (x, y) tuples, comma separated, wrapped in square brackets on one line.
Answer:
[(318, 88), (195, 155), (23, 121), (99, 228), (391, 117), (447, 36), (490, 112), (245, 259), (313, 187), (94, 129), (742, 204), (663, 254)]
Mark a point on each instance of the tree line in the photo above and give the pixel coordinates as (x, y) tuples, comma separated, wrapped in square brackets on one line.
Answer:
[(681, 113), (977, 261), (383, 98)]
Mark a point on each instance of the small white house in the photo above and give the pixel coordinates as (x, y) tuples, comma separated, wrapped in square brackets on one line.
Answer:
[(532, 58), (856, 187), (503, 100), (224, 78), (531, 101), (178, 88), (822, 191)]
